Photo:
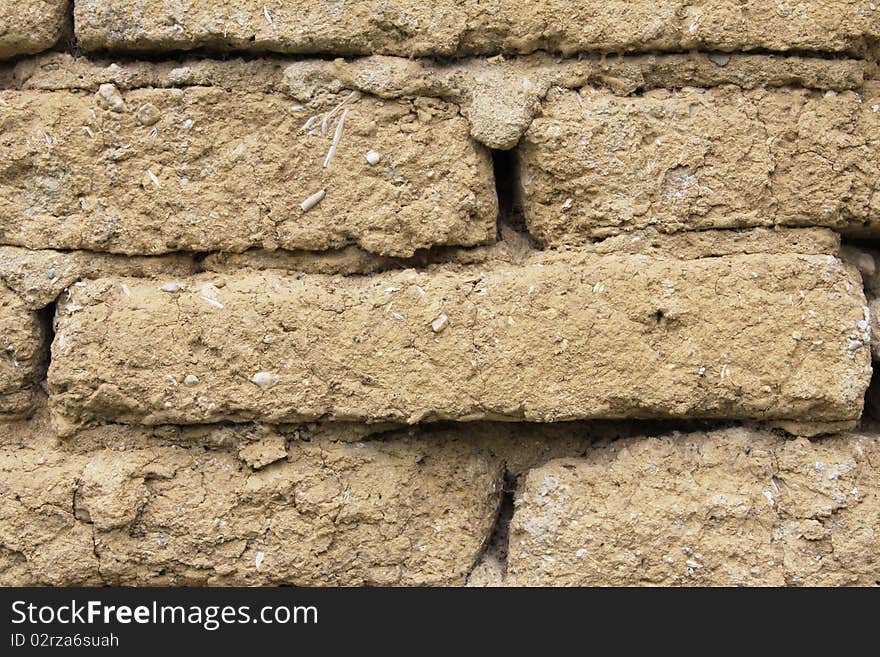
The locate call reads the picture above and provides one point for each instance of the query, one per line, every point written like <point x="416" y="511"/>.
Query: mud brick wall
<point x="439" y="293"/>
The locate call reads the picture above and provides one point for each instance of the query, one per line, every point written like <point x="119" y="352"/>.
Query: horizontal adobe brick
<point x="561" y="336"/>
<point x="152" y="171"/>
<point x="498" y="96"/>
<point x="595" y="164"/>
<point x="455" y="27"/>
<point x="736" y="507"/>
<point x="397" y="511"/>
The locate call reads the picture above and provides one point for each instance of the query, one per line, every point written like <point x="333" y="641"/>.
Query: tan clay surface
<point x="589" y="336"/>
<point x="200" y="169"/>
<point x="498" y="96"/>
<point x="450" y="27"/>
<point x="23" y="352"/>
<point x="398" y="512"/>
<point x="448" y="293"/>
<point x="30" y="26"/>
<point x="41" y="277"/>
<point x="727" y="508"/>
<point x="596" y="164"/>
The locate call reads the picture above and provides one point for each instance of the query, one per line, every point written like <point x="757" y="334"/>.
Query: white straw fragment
<point x="337" y="136"/>
<point x="308" y="125"/>
<point x="313" y="200"/>
<point x="325" y="124"/>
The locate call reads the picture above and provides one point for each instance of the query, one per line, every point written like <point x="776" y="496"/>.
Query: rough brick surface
<point x="40" y="277"/>
<point x="30" y="26"/>
<point x="499" y="97"/>
<point x="23" y="348"/>
<point x="732" y="507"/>
<point x="596" y="164"/>
<point x="201" y="169"/>
<point x="394" y="512"/>
<point x="454" y="79"/>
<point x="588" y="336"/>
<point x="515" y="248"/>
<point x="268" y="318"/>
<point x="451" y="27"/>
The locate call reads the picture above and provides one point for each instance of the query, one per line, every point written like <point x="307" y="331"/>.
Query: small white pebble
<point x="373" y="158"/>
<point x="259" y="559"/>
<point x="109" y="96"/>
<point x="264" y="380"/>
<point x="190" y="380"/>
<point x="440" y="323"/>
<point x="719" y="59"/>
<point x="179" y="74"/>
<point x="170" y="287"/>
